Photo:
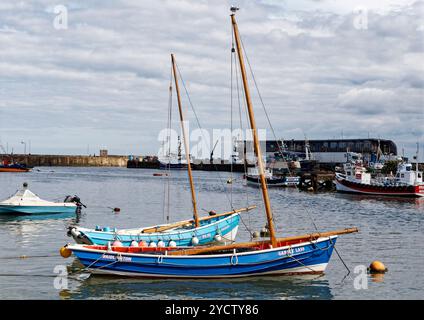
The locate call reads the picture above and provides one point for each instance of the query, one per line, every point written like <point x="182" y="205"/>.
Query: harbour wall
<point x="41" y="160"/>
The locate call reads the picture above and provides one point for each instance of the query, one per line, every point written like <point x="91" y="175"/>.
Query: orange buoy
<point x="377" y="267"/>
<point x="65" y="252"/>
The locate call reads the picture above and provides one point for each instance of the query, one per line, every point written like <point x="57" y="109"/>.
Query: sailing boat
<point x="220" y="228"/>
<point x="292" y="255"/>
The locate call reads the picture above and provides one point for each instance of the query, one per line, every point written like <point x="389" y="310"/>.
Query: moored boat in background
<point x="356" y="179"/>
<point x="24" y="202"/>
<point x="13" y="167"/>
<point x="252" y="178"/>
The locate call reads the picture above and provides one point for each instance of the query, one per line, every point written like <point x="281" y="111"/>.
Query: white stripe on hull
<point x="312" y="269"/>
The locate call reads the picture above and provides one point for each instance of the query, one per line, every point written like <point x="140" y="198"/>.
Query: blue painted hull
<point x="226" y="226"/>
<point x="33" y="210"/>
<point x="305" y="258"/>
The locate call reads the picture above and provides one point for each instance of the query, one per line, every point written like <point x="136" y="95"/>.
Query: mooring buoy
<point x="377" y="267"/>
<point x="65" y="252"/>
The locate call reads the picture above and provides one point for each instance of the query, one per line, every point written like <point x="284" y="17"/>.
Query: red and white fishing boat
<point x="406" y="183"/>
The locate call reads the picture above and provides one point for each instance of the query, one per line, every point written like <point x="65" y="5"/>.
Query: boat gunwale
<point x="85" y="248"/>
<point x="121" y="232"/>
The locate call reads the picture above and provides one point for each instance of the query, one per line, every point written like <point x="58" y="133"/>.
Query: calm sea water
<point x="391" y="230"/>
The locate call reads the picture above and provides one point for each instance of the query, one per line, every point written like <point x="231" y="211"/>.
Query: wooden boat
<point x="276" y="256"/>
<point x="355" y="179"/>
<point x="198" y="231"/>
<point x="215" y="228"/>
<point x="24" y="202"/>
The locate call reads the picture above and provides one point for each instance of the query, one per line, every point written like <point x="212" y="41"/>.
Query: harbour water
<point x="391" y="230"/>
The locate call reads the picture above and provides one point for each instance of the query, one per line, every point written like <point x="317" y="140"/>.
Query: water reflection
<point x="418" y="202"/>
<point x="276" y="288"/>
<point x="48" y="216"/>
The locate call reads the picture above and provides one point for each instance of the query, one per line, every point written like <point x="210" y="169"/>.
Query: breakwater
<point x="42" y="160"/>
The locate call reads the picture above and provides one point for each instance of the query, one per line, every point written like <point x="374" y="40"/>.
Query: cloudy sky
<point x="324" y="68"/>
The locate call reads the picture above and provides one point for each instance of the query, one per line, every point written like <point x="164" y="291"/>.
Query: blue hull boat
<point x="309" y="257"/>
<point x="214" y="229"/>
<point x="24" y="202"/>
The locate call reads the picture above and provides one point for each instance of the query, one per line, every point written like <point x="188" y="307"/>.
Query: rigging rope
<point x="201" y="130"/>
<point x="279" y="146"/>
<point x="234" y="59"/>
<point x="166" y="186"/>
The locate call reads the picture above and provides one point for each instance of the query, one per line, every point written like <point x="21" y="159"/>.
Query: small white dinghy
<point x="24" y="202"/>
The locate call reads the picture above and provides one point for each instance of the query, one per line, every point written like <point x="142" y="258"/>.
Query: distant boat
<point x="24" y="202"/>
<point x="9" y="165"/>
<point x="406" y="183"/>
<point x="252" y="178"/>
<point x="13" y="167"/>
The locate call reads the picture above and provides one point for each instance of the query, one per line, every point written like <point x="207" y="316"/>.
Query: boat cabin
<point x="355" y="172"/>
<point x="406" y="175"/>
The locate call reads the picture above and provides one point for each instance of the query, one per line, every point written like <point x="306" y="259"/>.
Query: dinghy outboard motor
<point x="75" y="199"/>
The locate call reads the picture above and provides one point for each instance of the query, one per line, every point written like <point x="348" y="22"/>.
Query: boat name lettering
<point x="291" y="251"/>
<point x="118" y="258"/>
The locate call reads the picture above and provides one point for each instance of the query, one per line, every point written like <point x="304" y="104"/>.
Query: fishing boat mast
<point x="186" y="146"/>
<point x="257" y="148"/>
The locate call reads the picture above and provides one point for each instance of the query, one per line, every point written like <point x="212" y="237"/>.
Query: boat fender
<point x="264" y="232"/>
<point x="218" y="237"/>
<point x="172" y="244"/>
<point x="117" y="243"/>
<point x="65" y="252"/>
<point x="195" y="241"/>
<point x="142" y="243"/>
<point x="152" y="244"/>
<point x="212" y="213"/>
<point x="134" y="243"/>
<point x="255" y="234"/>
<point x="161" y="244"/>
<point x="109" y="246"/>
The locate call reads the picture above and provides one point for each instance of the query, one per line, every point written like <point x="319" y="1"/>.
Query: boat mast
<point x="416" y="163"/>
<point x="186" y="146"/>
<point x="257" y="148"/>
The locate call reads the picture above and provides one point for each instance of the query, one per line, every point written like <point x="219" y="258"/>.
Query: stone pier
<point x="42" y="160"/>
